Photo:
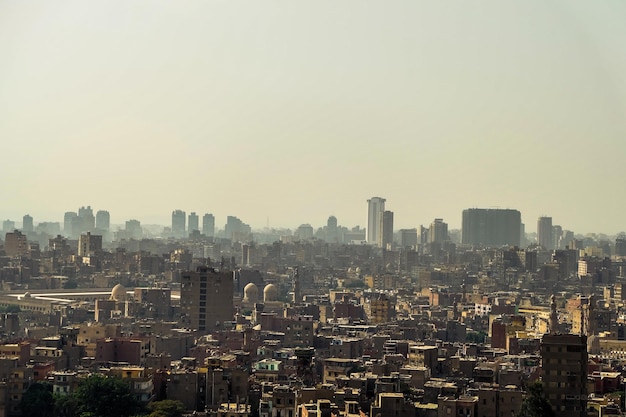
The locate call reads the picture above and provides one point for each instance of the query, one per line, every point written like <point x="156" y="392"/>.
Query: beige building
<point x="233" y="410"/>
<point x="380" y="309"/>
<point x="336" y="367"/>
<point x="393" y="404"/>
<point x="15" y="244"/>
<point x="462" y="406"/>
<point x="89" y="244"/>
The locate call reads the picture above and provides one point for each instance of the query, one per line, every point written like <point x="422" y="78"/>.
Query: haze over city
<point x="355" y="208"/>
<point x="294" y="111"/>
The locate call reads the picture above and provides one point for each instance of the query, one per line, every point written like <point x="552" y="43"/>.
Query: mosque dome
<point x="251" y="293"/>
<point x="118" y="293"/>
<point x="270" y="293"/>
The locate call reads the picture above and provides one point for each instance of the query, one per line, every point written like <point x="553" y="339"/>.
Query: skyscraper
<point x="332" y="232"/>
<point x="27" y="223"/>
<point x="8" y="225"/>
<point x="133" y="229"/>
<point x="192" y="223"/>
<point x="68" y="222"/>
<point x="544" y="233"/>
<point x="103" y="220"/>
<point x="408" y="238"/>
<point x="236" y="230"/>
<point x="88" y="220"/>
<point x="491" y="227"/>
<point x="206" y="298"/>
<point x="375" y="210"/>
<point x="620" y="246"/>
<point x="178" y="223"/>
<point x="208" y="225"/>
<point x="438" y="231"/>
<point x="557" y="237"/>
<point x="386" y="235"/>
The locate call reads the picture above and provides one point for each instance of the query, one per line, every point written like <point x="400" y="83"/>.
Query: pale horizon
<point x="297" y="111"/>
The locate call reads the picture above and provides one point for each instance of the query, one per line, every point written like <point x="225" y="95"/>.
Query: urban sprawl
<point x="494" y="319"/>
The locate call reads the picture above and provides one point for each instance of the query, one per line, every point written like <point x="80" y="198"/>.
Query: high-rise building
<point x="620" y="246"/>
<point x="16" y="244"/>
<point x="133" y="229"/>
<point x="208" y="225"/>
<point x="491" y="227"/>
<point x="375" y="210"/>
<point x="89" y="244"/>
<point x="27" y="223"/>
<point x="179" y="223"/>
<point x="76" y="227"/>
<point x="236" y="230"/>
<point x="557" y="237"/>
<point x="304" y="232"/>
<point x="88" y="220"/>
<point x="564" y="362"/>
<point x="545" y="237"/>
<point x="408" y="238"/>
<point x="438" y="231"/>
<point x="386" y="227"/>
<point x="8" y="226"/>
<point x="332" y="231"/>
<point x="193" y="222"/>
<point x="206" y="298"/>
<point x="68" y="222"/>
<point x="103" y="220"/>
<point x="49" y="228"/>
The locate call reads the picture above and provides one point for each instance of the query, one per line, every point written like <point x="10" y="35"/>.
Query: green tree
<point x="476" y="337"/>
<point x="65" y="406"/>
<point x="38" y="401"/>
<point x="535" y="404"/>
<point x="166" y="408"/>
<point x="102" y="396"/>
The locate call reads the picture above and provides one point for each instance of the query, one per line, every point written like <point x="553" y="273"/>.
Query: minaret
<point x="554" y="317"/>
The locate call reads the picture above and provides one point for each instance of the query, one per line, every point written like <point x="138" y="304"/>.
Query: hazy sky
<point x="297" y="110"/>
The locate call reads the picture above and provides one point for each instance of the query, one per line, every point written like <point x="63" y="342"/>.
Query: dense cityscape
<point x="498" y="318"/>
<point x="312" y="208"/>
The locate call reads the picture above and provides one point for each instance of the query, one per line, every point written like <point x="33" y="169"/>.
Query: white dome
<point x="118" y="293"/>
<point x="270" y="293"/>
<point x="251" y="293"/>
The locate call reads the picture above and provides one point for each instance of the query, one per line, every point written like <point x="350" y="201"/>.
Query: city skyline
<point x="295" y="112"/>
<point x="531" y="227"/>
